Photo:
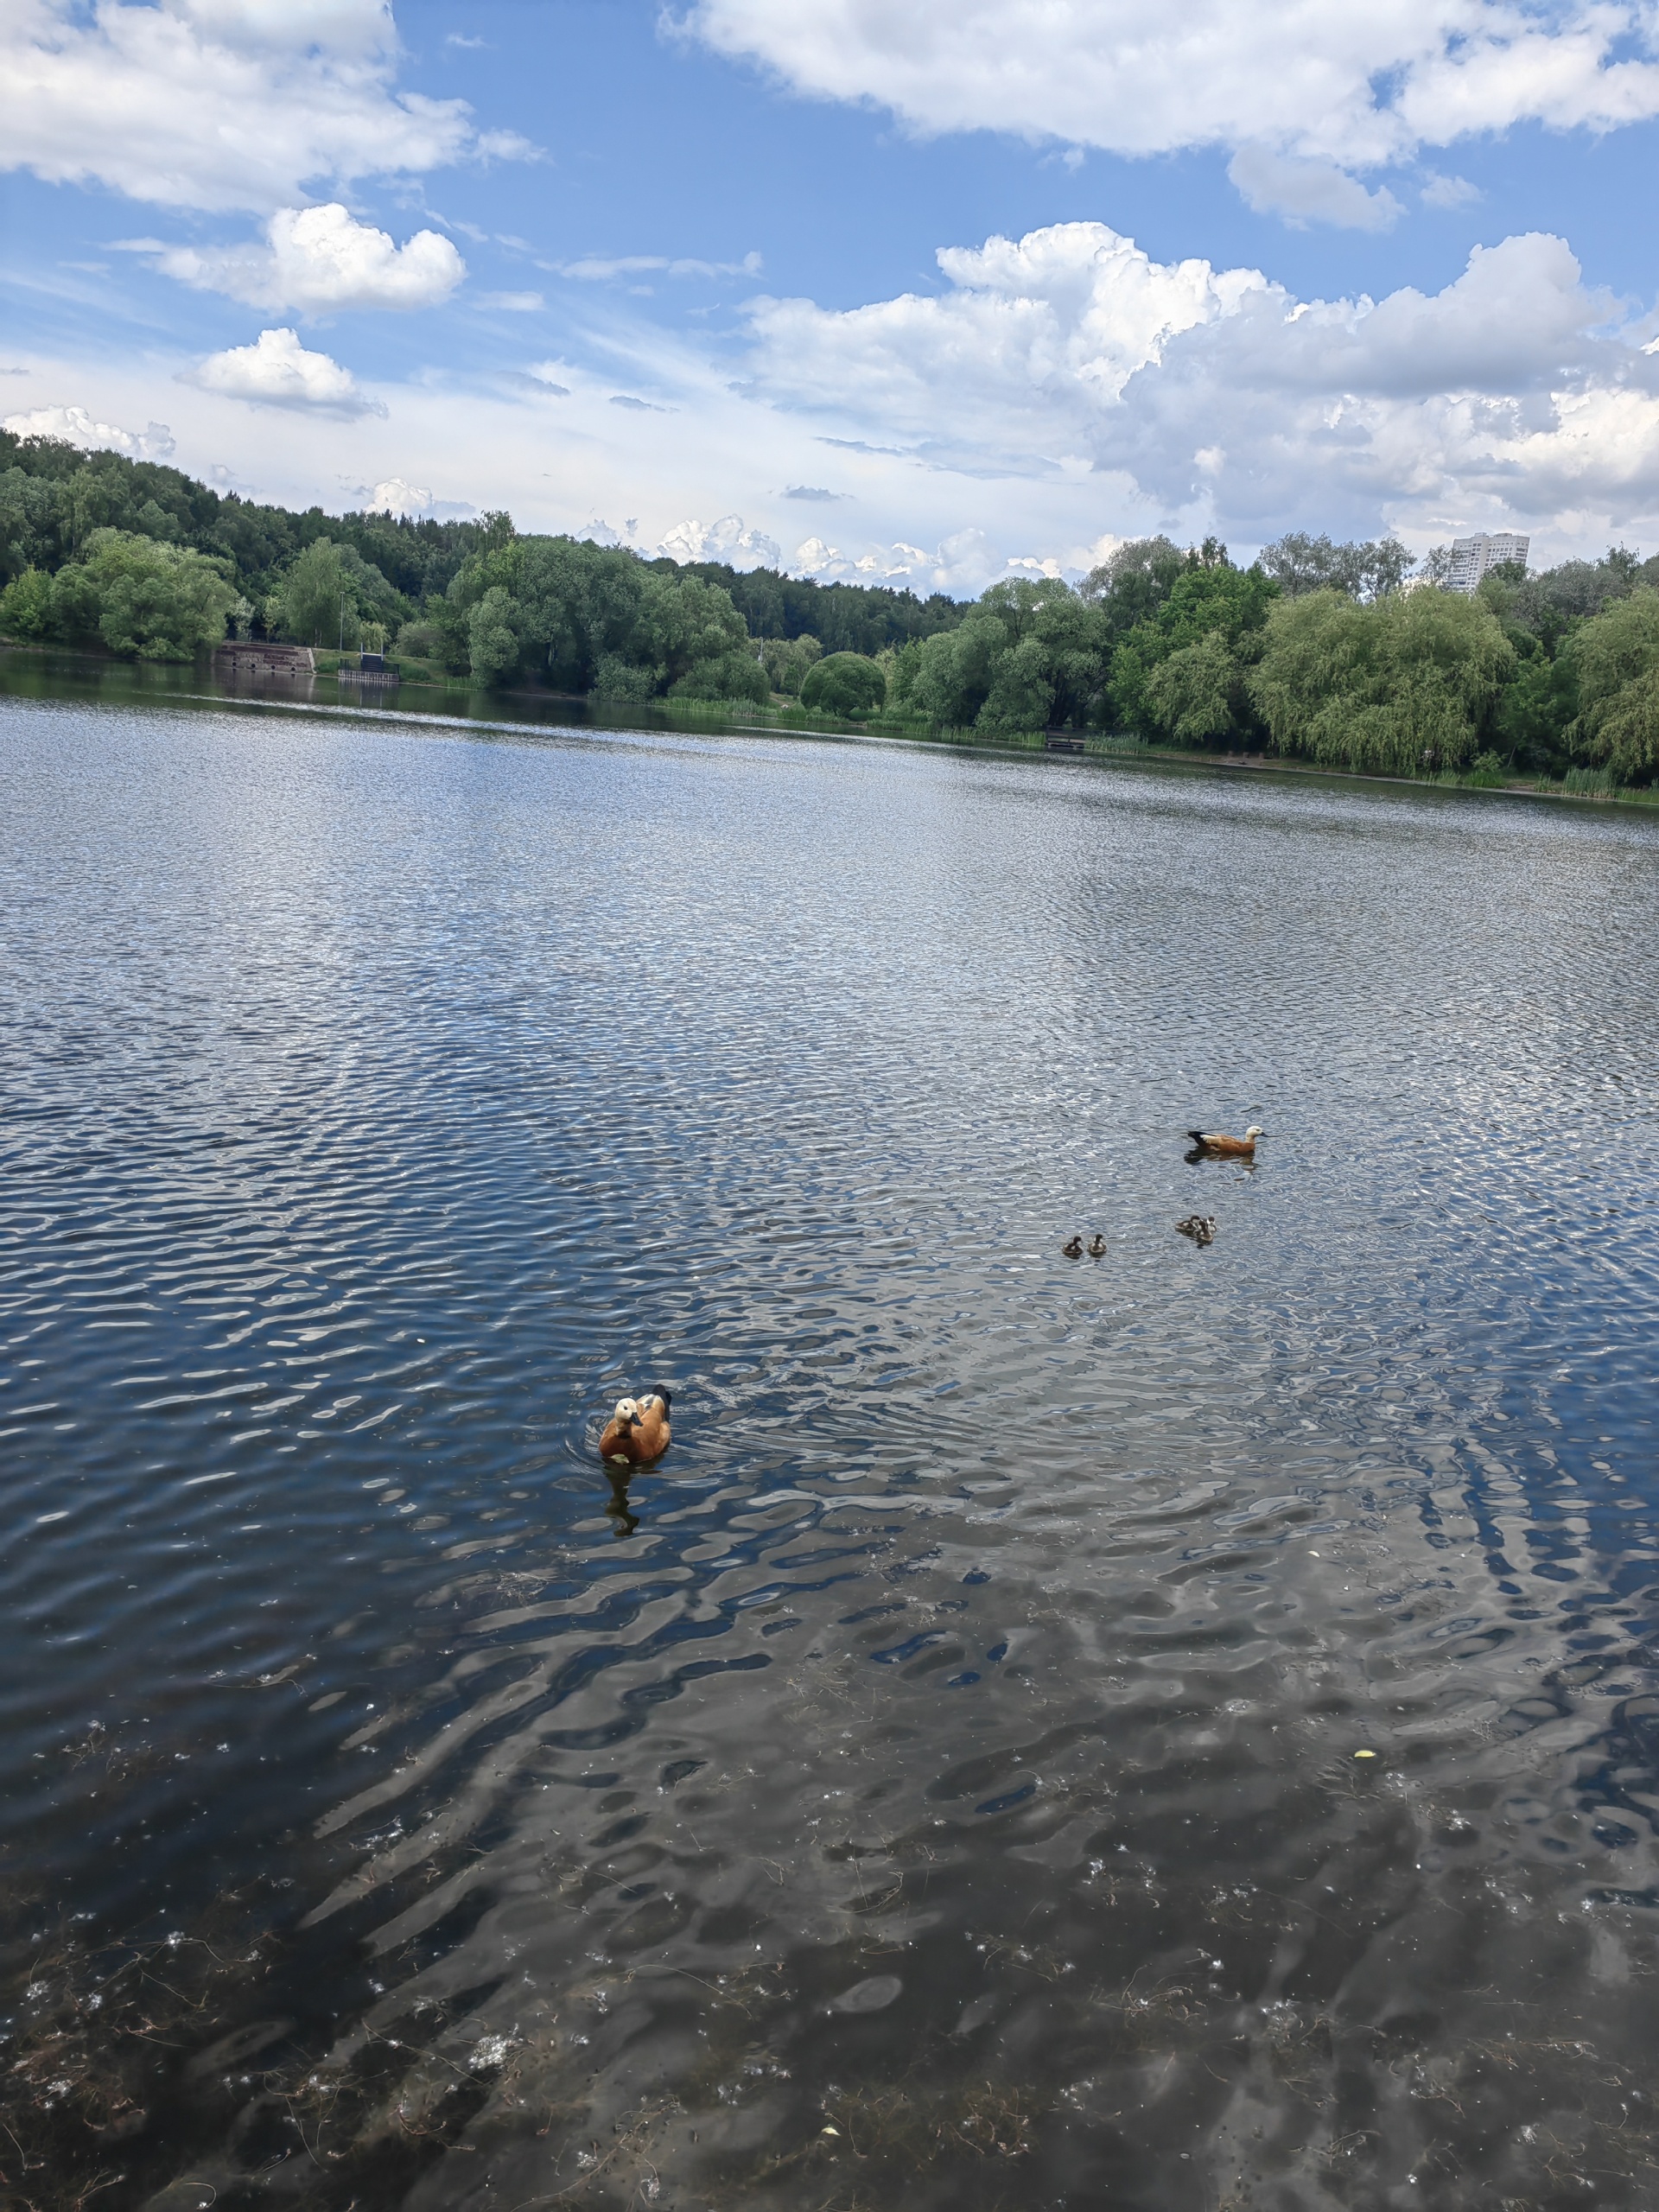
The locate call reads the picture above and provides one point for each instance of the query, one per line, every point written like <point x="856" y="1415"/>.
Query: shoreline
<point x="683" y="717"/>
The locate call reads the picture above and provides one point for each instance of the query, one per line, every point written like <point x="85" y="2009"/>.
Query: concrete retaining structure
<point x="259" y="657"/>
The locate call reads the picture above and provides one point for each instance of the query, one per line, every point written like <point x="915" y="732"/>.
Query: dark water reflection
<point x="330" y="695"/>
<point x="939" y="1784"/>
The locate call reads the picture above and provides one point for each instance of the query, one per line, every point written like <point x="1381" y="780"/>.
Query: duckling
<point x="637" y="1431"/>
<point x="1200" y="1227"/>
<point x="1226" y="1147"/>
<point x="1072" y="1248"/>
<point x="1096" y="1246"/>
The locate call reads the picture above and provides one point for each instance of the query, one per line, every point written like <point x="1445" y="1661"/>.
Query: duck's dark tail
<point x="658" y="1391"/>
<point x="1196" y="1135"/>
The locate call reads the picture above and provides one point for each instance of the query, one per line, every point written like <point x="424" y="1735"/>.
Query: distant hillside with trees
<point x="1339" y="654"/>
<point x="194" y="563"/>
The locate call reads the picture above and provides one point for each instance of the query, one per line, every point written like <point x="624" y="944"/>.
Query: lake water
<point x="1176" y="1731"/>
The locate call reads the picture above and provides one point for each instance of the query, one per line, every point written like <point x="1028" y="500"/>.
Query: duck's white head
<point x="627" y="1409"/>
<point x="1251" y="1134"/>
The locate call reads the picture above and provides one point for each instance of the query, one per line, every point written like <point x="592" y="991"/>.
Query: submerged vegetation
<point x="1335" y="654"/>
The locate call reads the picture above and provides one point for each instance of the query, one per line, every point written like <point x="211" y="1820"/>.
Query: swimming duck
<point x="1200" y="1227"/>
<point x="637" y="1431"/>
<point x="1225" y="1147"/>
<point x="1096" y="1246"/>
<point x="1072" y="1248"/>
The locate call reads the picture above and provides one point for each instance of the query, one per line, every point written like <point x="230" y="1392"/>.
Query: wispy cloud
<point x="858" y="445"/>
<point x="1449" y="191"/>
<point x="596" y="270"/>
<point x="1305" y="192"/>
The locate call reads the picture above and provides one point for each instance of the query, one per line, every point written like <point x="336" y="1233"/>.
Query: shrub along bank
<point x="1317" y="650"/>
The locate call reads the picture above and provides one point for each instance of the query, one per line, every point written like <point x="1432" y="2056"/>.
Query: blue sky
<point x="673" y="278"/>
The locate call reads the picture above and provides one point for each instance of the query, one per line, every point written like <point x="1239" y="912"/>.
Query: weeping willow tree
<point x="1615" y="657"/>
<point x="1195" y="695"/>
<point x="1403" y="686"/>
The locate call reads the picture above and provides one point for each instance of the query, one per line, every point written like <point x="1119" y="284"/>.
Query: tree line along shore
<point x="1337" y="655"/>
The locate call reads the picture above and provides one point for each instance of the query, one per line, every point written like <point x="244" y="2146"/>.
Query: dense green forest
<point x="1336" y="654"/>
<point x="1317" y="650"/>
<point x="95" y="549"/>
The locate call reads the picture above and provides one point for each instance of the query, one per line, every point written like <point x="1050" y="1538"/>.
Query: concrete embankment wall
<point x="264" y="658"/>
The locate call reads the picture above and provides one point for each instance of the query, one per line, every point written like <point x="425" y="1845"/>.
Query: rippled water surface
<point x="1180" y="1731"/>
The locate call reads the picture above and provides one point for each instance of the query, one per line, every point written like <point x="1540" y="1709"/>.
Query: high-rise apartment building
<point x="1472" y="556"/>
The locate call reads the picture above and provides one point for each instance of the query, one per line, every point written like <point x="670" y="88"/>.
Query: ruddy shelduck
<point x="638" y="1431"/>
<point x="1225" y="1147"/>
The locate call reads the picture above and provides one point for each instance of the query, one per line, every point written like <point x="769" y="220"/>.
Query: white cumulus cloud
<point x="217" y="104"/>
<point x="394" y="497"/>
<point x="726" y="540"/>
<point x="1324" y="80"/>
<point x="1070" y="357"/>
<point x="319" y="260"/>
<point x="1034" y="337"/>
<point x="1054" y="394"/>
<point x="962" y="563"/>
<point x="277" y="371"/>
<point x="78" y="427"/>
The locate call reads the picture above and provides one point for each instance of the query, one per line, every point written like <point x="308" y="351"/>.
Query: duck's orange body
<point x="638" y="1431"/>
<point x="1225" y="1147"/>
